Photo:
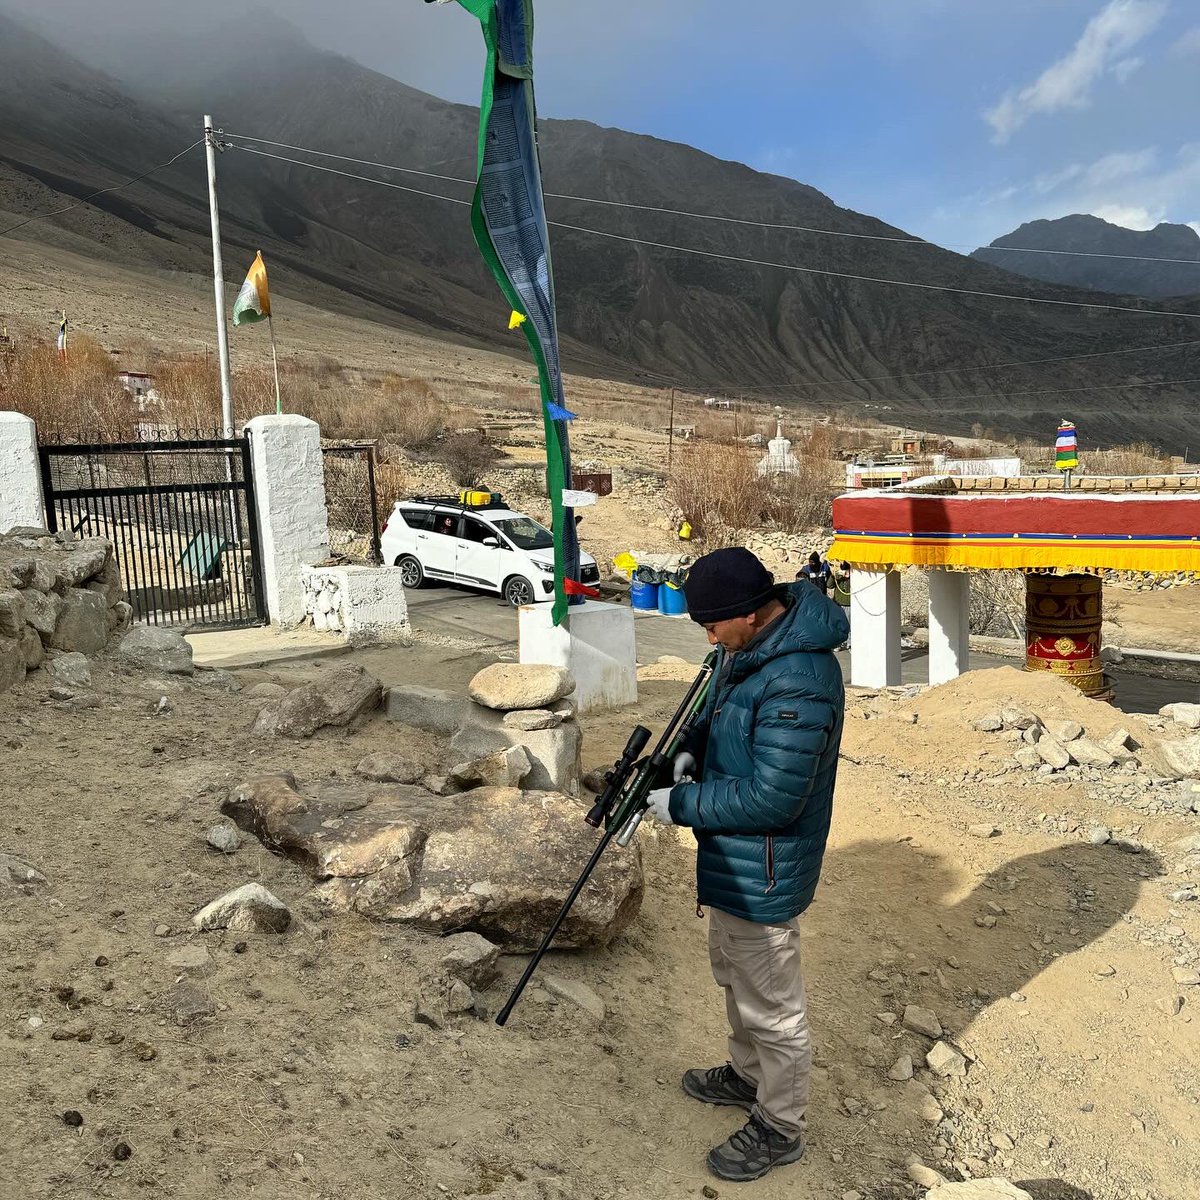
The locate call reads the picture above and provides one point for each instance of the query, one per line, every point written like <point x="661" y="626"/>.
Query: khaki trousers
<point x="769" y="1043"/>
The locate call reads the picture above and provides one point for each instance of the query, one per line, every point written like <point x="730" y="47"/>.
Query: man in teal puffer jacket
<point x="757" y="790"/>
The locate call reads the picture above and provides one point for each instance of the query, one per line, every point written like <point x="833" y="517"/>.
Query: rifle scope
<point x="616" y="776"/>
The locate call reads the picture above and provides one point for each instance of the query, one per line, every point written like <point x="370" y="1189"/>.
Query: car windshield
<point x="525" y="533"/>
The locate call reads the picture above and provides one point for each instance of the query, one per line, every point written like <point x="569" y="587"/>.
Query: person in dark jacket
<point x="756" y="787"/>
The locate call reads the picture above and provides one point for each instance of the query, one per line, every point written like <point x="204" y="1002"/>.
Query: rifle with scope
<point x="622" y="805"/>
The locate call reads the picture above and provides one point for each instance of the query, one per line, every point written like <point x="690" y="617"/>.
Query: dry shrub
<point x="1137" y="459"/>
<point x="78" y="397"/>
<point x="998" y="603"/>
<point x="468" y="457"/>
<point x="391" y="484"/>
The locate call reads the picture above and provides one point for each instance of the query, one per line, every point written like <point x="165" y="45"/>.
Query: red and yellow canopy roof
<point x="1159" y="533"/>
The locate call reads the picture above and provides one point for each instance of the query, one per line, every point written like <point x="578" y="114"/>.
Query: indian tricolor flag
<point x="253" y="302"/>
<point x="1066" y="453"/>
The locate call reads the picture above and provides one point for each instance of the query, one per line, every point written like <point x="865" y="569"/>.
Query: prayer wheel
<point x="1062" y="630"/>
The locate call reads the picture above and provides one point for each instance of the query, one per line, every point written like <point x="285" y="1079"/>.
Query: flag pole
<point x="275" y="364"/>
<point x="210" y="156"/>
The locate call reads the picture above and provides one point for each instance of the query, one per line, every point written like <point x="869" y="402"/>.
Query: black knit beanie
<point x="725" y="584"/>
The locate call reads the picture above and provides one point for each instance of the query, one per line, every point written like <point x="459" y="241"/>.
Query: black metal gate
<point x="182" y="520"/>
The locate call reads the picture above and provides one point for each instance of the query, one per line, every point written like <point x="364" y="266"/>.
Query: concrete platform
<point x="261" y="646"/>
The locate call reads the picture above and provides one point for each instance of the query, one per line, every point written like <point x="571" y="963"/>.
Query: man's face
<point x="734" y="633"/>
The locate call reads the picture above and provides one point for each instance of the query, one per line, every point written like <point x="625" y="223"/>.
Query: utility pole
<point x="210" y="155"/>
<point x="671" y="433"/>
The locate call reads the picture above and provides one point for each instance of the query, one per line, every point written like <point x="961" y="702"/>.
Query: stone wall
<point x="366" y="605"/>
<point x="57" y="596"/>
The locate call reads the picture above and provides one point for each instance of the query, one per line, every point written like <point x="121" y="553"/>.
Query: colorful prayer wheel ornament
<point x="1063" y="614"/>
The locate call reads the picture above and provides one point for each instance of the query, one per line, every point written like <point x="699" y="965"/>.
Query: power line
<point x="680" y="212"/>
<point x="99" y="192"/>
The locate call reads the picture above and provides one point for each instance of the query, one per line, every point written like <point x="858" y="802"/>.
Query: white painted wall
<point x="20" y="476"/>
<point x="595" y="643"/>
<point x="949" y="624"/>
<point x="874" y="628"/>
<point x="289" y="488"/>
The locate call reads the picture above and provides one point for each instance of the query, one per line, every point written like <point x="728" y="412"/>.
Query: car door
<point x="477" y="564"/>
<point x="437" y="546"/>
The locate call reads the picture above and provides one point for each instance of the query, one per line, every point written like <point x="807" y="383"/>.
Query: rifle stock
<point x="622" y="804"/>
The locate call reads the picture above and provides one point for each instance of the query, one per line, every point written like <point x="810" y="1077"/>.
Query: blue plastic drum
<point x="671" y="601"/>
<point x="643" y="596"/>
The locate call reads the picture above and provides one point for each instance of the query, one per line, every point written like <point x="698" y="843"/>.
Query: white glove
<point x="683" y="766"/>
<point x="659" y="808"/>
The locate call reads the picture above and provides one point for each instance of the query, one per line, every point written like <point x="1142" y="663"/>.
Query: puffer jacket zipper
<point x="770" y="866"/>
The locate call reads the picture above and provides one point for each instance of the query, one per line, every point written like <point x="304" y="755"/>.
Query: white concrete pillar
<point x="949" y="624"/>
<point x="595" y="643"/>
<point x="20" y="475"/>
<point x="874" y="628"/>
<point x="289" y="491"/>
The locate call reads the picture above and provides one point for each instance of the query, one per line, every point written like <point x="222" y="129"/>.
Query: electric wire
<point x="100" y="192"/>
<point x="680" y="212"/>
<point x="756" y="262"/>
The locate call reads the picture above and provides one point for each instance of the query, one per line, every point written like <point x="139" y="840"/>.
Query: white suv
<point x="486" y="546"/>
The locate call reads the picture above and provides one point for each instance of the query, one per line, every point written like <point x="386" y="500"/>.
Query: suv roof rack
<point x="495" y="500"/>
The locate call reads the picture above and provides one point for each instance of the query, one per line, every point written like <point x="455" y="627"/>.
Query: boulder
<point x="83" y="560"/>
<point x="1177" y="758"/>
<point x="495" y="861"/>
<point x="18" y="573"/>
<point x="32" y="649"/>
<point x="1052" y="752"/>
<point x="1063" y="731"/>
<point x="1091" y="754"/>
<point x="12" y="663"/>
<point x="431" y="709"/>
<point x="1017" y="718"/>
<point x="530" y="719"/>
<point x="389" y="768"/>
<point x="471" y="958"/>
<point x="248" y="909"/>
<point x="42" y="611"/>
<point x="162" y="651"/>
<point x="507" y="686"/>
<point x="12" y="614"/>
<point x="336" y="697"/>
<point x="70" y="670"/>
<point x="1187" y="715"/>
<point x="505" y="768"/>
<point x="978" y="1189"/>
<point x="82" y="623"/>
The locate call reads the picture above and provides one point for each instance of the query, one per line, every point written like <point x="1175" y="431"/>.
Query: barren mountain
<point x="1099" y="255"/>
<point x="627" y="309"/>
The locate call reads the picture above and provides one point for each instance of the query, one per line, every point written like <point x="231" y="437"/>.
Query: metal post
<point x="376" y="544"/>
<point x="671" y="433"/>
<point x="210" y="155"/>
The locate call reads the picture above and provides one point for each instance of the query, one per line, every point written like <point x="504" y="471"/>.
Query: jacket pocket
<point x="770" y="864"/>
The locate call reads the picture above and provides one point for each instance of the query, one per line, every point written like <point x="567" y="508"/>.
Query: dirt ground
<point x="311" y="1079"/>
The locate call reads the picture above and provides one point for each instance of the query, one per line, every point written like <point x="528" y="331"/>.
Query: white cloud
<point x="1126" y="67"/>
<point x="1131" y="217"/>
<point x="1188" y="44"/>
<point x="1067" y="83"/>
<point x="1112" y="167"/>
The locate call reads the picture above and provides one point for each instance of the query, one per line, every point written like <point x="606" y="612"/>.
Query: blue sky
<point x="953" y="119"/>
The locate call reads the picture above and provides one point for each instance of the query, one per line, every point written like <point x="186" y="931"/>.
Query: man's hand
<point x="659" y="802"/>
<point x="683" y="766"/>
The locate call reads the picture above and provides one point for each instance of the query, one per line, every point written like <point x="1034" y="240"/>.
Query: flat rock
<point x="945" y="1061"/>
<point x="191" y="960"/>
<point x="1187" y="715"/>
<point x="1091" y="754"/>
<point x="248" y="909"/>
<point x="1063" y="731"/>
<point x="979" y="1189"/>
<point x="508" y="686"/>
<point x="1185" y="976"/>
<point x="389" y="768"/>
<point x="992" y="723"/>
<point x="902" y="1069"/>
<point x="17" y="874"/>
<point x="1177" y="758"/>
<point x="921" y="1020"/>
<point x="577" y="993"/>
<point x="527" y="720"/>
<point x="505" y="768"/>
<point x="471" y="958"/>
<point x="496" y="861"/>
<point x="1017" y="718"/>
<point x="983" y="831"/>
<point x="70" y="670"/>
<point x="1052" y="753"/>
<point x="190" y="1004"/>
<point x="335" y="697"/>
<point x="150" y="648"/>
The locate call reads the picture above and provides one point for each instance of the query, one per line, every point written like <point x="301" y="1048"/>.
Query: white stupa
<point x="779" y="459"/>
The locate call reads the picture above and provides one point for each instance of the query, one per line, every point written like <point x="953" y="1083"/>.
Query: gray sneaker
<point x="719" y="1085"/>
<point x="753" y="1151"/>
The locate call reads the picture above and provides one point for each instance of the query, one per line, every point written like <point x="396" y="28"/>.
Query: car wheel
<point x="518" y="591"/>
<point x="411" y="573"/>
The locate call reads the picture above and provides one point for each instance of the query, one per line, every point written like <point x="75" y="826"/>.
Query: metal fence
<point x="181" y="517"/>
<point x="352" y="501"/>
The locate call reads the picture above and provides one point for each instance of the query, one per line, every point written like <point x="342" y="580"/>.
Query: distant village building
<point x="912" y="443"/>
<point x="880" y="475"/>
<point x="141" y="387"/>
<point x="1004" y="468"/>
<point x="779" y="459"/>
